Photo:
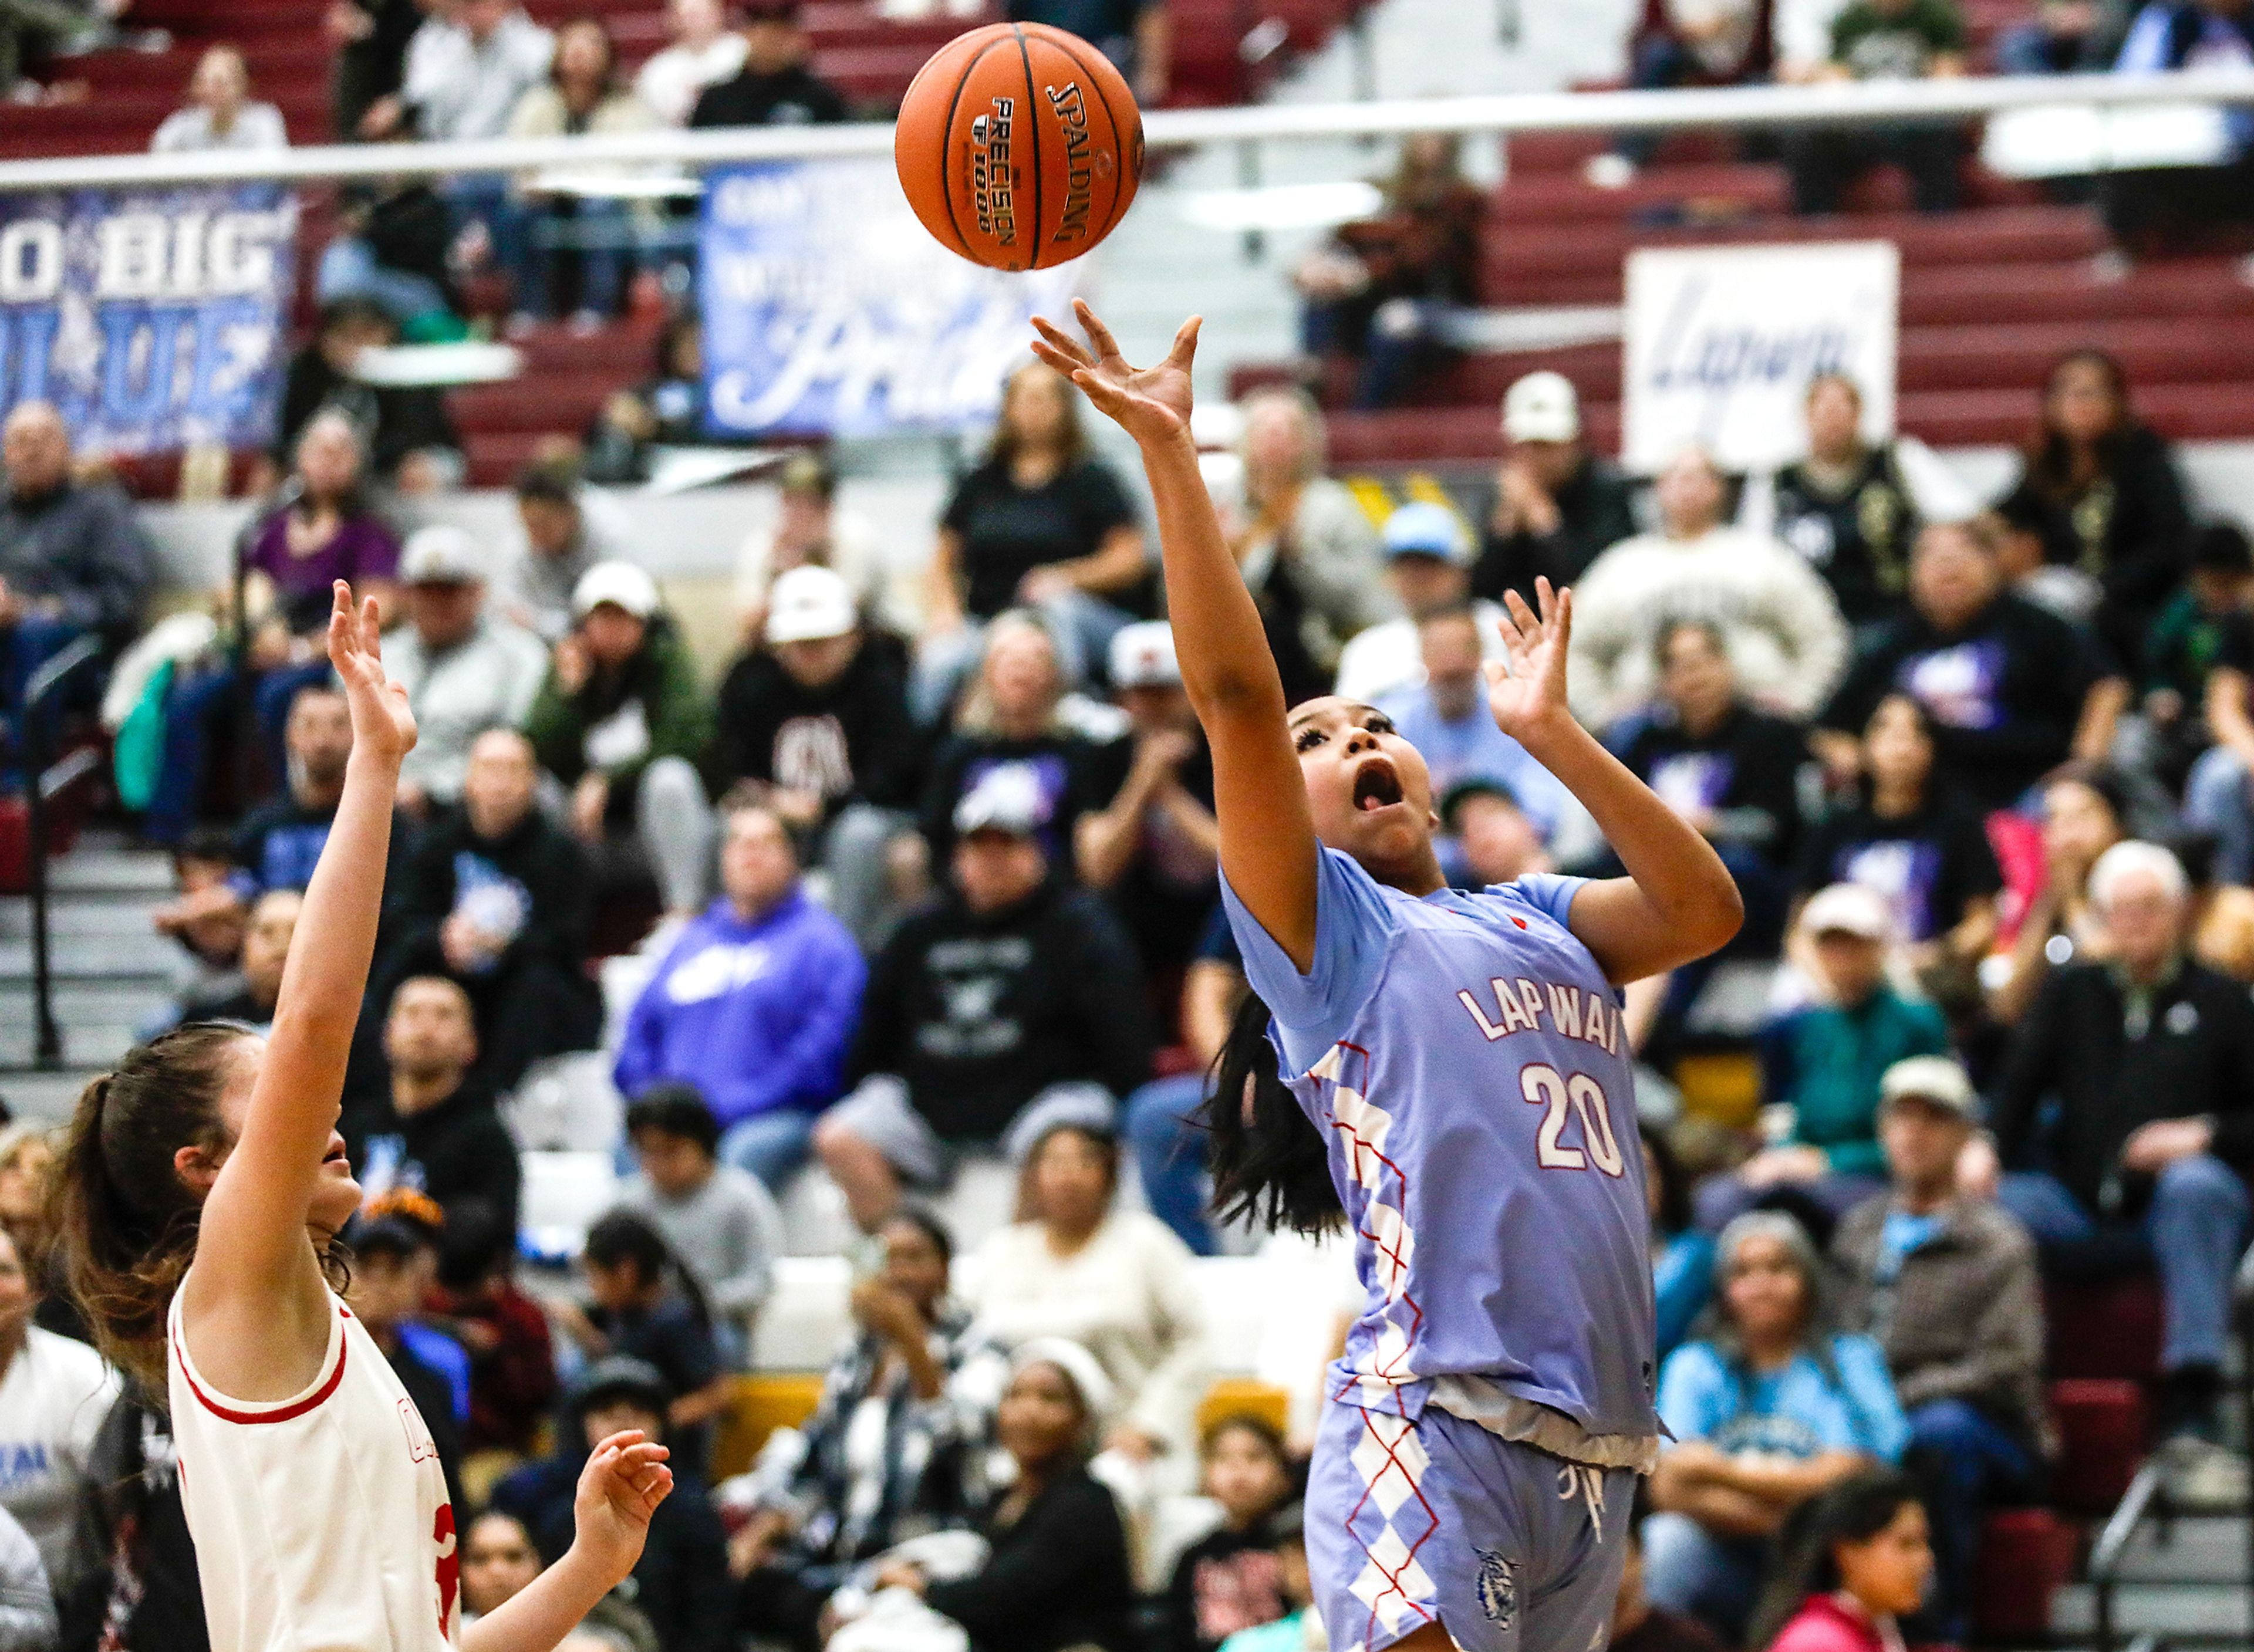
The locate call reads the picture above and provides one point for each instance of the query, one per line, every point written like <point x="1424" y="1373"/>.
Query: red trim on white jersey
<point x="279" y="1414"/>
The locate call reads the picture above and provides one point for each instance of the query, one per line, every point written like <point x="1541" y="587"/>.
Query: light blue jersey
<point x="1463" y="1054"/>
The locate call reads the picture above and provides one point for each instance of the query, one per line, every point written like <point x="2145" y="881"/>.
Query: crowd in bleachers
<point x="924" y="874"/>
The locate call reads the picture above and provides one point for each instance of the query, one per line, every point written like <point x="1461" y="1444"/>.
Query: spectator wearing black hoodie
<point x="436" y="1130"/>
<point x="500" y="901"/>
<point x="1013" y="1004"/>
<point x="146" y="1595"/>
<point x="679" y="1583"/>
<point x="2103" y="486"/>
<point x="817" y="724"/>
<point x="775" y="88"/>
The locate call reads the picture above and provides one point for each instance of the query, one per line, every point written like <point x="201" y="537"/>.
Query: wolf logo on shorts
<point x="1498" y="1589"/>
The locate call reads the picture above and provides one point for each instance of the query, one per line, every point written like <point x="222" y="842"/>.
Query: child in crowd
<point x="718" y="1221"/>
<point x="678" y="1582"/>
<point x="499" y="1558"/>
<point x="477" y="1303"/>
<point x="1227" y="1581"/>
<point x="393" y="1258"/>
<point x="1284" y="1532"/>
<point x="207" y="916"/>
<point x="643" y="1304"/>
<point x="250" y="993"/>
<point x="1852" y="1562"/>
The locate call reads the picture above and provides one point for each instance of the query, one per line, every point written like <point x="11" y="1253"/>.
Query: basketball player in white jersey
<point x="203" y="1192"/>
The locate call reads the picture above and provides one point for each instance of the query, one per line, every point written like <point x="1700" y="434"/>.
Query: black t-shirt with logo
<point x="1927" y="865"/>
<point x="1008" y="531"/>
<point x="2004" y="692"/>
<point x="1858" y="538"/>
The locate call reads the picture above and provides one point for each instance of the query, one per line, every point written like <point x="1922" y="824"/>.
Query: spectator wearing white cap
<point x="1155" y="847"/>
<point x="623" y="722"/>
<point x="1428" y="566"/>
<point x="1948" y="1286"/>
<point x="465" y="670"/>
<point x="1557" y="504"/>
<point x="1012" y="1005"/>
<point x="816" y="723"/>
<point x="1824" y="1064"/>
<point x="1783" y="629"/>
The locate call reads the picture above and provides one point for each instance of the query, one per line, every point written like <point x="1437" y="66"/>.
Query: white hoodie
<point x="1785" y="635"/>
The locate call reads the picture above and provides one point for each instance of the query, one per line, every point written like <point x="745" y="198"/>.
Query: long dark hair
<point x="126" y="1221"/>
<point x="1855" y="1510"/>
<point x="2051" y="473"/>
<point x="1270" y="1165"/>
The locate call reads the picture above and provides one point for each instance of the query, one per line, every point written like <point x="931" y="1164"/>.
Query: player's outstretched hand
<point x="620" y="1489"/>
<point x="382" y="722"/>
<point x="1151" y="405"/>
<point x="1526" y="690"/>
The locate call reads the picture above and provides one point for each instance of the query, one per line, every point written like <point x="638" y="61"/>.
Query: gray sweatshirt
<point x="727" y="1233"/>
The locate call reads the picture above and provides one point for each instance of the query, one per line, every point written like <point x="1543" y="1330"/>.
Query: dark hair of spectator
<point x="752" y="797"/>
<point x="324" y="687"/>
<point x="548" y="482"/>
<point x="339" y="314"/>
<point x="1674" y="1186"/>
<point x="479" y="1242"/>
<point x="584" y="21"/>
<point x="1855" y="1510"/>
<point x="624" y="1239"/>
<point x="1681" y="623"/>
<point x="1106" y="1145"/>
<point x="2097" y="779"/>
<point x="1923" y="719"/>
<point x="1072" y="443"/>
<point x="676" y="1110"/>
<point x="2221" y="547"/>
<point x="1817" y="1318"/>
<point x="927" y="1224"/>
<point x="209" y="843"/>
<point x="2055" y="470"/>
<point x="394" y="1237"/>
<point x="126" y="1221"/>
<point x="1270" y="1164"/>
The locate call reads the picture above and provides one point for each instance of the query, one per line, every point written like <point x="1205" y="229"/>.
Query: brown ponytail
<point x="125" y="1221"/>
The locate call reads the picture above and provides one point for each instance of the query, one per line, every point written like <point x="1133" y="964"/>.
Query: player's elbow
<point x="1714" y="917"/>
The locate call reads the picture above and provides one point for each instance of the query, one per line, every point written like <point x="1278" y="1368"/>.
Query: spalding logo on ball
<point x="1020" y="146"/>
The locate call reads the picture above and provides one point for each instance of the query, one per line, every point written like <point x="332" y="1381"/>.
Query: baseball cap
<point x="809" y="605"/>
<point x="1849" y="909"/>
<point x="808" y="473"/>
<point x="1938" y="1079"/>
<point x="621" y="1377"/>
<point x="1422" y="529"/>
<point x="619" y="583"/>
<point x="1541" y="407"/>
<point x="1142" y="657"/>
<point x="441" y="554"/>
<point x="1007" y="799"/>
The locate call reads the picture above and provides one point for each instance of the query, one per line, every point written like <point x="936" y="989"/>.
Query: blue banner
<point x="152" y="318"/>
<point x="829" y="310"/>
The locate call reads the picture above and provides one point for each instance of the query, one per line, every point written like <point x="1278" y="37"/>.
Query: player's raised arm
<point x="1267" y="835"/>
<point x="252" y="1244"/>
<point x="1678" y="902"/>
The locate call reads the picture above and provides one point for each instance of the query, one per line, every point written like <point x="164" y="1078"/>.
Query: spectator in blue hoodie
<point x="755" y="1004"/>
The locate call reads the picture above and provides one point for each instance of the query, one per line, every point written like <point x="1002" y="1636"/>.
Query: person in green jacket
<point x="623" y="722"/>
<point x="1824" y="1063"/>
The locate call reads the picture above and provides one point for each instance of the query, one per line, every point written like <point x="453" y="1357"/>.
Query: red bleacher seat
<point x="2027" y="1556"/>
<point x="2106" y="1330"/>
<point x="2103" y="1427"/>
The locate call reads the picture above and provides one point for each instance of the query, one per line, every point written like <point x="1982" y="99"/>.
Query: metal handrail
<point x="1839" y="103"/>
<point x="2148" y="1487"/>
<point x="38" y="689"/>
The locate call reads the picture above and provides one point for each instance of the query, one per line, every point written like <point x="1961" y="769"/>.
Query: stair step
<point x="127" y="960"/>
<point x="100" y="1043"/>
<point x="2216" y="1612"/>
<point x="2198" y="1549"/>
<point x="46" y="1098"/>
<point x="92" y="869"/>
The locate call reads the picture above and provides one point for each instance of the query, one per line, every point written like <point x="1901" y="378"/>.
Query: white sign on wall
<point x="1721" y="342"/>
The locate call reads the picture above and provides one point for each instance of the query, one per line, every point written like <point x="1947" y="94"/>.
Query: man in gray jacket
<point x="72" y="559"/>
<point x="1948" y="1287"/>
<point x="465" y="670"/>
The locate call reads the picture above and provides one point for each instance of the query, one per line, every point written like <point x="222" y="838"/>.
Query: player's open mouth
<point x="1375" y="786"/>
<point x="335" y="1157"/>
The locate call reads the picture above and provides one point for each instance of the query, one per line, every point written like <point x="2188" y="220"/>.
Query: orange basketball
<point x="1019" y="146"/>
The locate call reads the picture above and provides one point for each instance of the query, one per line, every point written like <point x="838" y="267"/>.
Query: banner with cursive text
<point x="828" y="310"/>
<point x="152" y="318"/>
<point x="1721" y="342"/>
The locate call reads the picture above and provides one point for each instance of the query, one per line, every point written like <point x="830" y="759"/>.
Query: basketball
<point x="1020" y="146"/>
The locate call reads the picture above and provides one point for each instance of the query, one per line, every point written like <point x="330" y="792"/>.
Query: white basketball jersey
<point x="321" y="1522"/>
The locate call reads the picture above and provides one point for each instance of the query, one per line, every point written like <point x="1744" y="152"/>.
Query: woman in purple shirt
<point x="1458" y="1061"/>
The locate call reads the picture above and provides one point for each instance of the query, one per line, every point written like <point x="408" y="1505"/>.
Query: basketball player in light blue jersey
<point x="1464" y="1091"/>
